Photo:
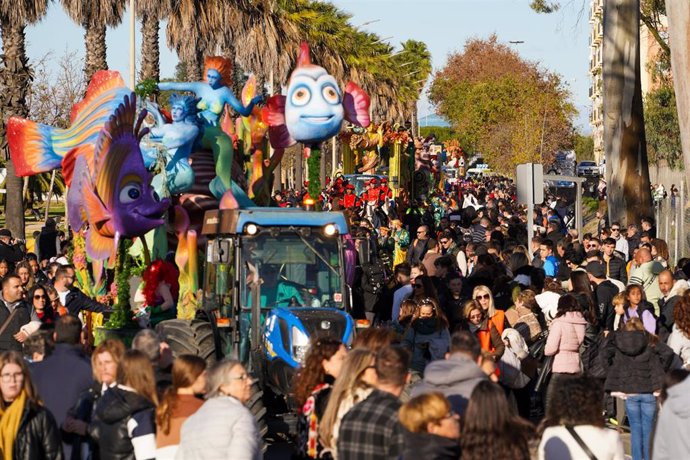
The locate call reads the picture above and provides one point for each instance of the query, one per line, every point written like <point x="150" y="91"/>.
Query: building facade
<point x="596" y="59"/>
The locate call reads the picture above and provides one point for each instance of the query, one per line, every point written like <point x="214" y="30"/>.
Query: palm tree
<point x="95" y="16"/>
<point x="15" y="79"/>
<point x="151" y="13"/>
<point x="192" y="25"/>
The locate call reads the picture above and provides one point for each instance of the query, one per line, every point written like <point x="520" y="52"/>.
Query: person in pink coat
<point x="566" y="334"/>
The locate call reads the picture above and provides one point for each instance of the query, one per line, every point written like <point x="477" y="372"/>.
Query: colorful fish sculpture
<point x="314" y="108"/>
<point x="114" y="196"/>
<point x="37" y="148"/>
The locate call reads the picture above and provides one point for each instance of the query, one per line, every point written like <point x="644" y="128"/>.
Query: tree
<point x="151" y="12"/>
<point x="507" y="108"/>
<point x="627" y="169"/>
<point x="583" y="146"/>
<point x="661" y="124"/>
<point x="15" y="80"/>
<point x="679" y="36"/>
<point x="94" y="16"/>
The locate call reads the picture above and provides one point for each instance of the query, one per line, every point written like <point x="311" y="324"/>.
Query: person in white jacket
<point x="222" y="427"/>
<point x="672" y="436"/>
<point x="574" y="428"/>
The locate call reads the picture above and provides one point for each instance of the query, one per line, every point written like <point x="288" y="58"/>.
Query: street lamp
<point x="367" y="23"/>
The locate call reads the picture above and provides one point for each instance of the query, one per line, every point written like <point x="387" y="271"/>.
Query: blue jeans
<point x="641" y="409"/>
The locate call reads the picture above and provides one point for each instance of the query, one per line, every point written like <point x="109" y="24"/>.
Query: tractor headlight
<point x="251" y="229"/>
<point x="330" y="229"/>
<point x="300" y="345"/>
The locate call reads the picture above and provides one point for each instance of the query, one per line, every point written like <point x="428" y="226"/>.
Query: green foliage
<point x="584" y="147"/>
<point x="146" y="88"/>
<point x="125" y="268"/>
<point x="544" y="6"/>
<point x="314" y="162"/>
<point x="508" y="109"/>
<point x="661" y="125"/>
<point x="589" y="205"/>
<point x="442" y="133"/>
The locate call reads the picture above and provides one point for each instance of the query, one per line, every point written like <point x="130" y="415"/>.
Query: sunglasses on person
<point x="482" y="296"/>
<point x="445" y="241"/>
<point x="39" y="296"/>
<point x="615" y="229"/>
<point x="593" y="246"/>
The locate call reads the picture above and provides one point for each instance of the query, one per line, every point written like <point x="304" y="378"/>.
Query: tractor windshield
<point x="291" y="268"/>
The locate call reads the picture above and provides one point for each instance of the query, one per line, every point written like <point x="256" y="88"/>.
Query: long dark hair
<point x="491" y="431"/>
<point x="567" y="303"/>
<point x="576" y="401"/>
<point x="186" y="369"/>
<point x="313" y="373"/>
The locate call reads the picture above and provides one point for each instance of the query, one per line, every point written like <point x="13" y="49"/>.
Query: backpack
<point x="589" y="356"/>
<point x="510" y="364"/>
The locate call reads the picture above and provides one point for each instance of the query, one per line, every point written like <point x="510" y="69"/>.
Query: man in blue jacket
<point x="63" y="376"/>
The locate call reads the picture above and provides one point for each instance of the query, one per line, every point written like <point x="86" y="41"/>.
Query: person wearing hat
<point x="10" y="251"/>
<point x="349" y="200"/>
<point x="604" y="291"/>
<point x="402" y="241"/>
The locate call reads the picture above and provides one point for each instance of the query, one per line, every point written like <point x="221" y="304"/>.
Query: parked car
<point x="587" y="168"/>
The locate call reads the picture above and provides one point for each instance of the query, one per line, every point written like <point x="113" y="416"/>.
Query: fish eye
<point x="155" y="196"/>
<point x="330" y="93"/>
<point x="130" y="193"/>
<point x="301" y="96"/>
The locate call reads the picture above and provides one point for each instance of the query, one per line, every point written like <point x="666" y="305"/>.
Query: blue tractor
<point x="273" y="279"/>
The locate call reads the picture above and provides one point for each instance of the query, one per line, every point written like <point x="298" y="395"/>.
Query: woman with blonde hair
<point x="105" y="360"/>
<point x="356" y="381"/>
<point x="432" y="429"/>
<point x="485" y="299"/>
<point x="178" y="403"/>
<point x="27" y="429"/>
<point x="125" y="415"/>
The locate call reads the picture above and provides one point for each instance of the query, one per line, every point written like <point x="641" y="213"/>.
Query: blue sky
<point x="559" y="42"/>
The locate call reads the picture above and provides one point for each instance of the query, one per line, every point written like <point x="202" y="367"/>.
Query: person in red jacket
<point x="349" y="200"/>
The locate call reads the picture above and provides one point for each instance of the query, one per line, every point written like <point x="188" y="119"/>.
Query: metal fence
<point x="672" y="215"/>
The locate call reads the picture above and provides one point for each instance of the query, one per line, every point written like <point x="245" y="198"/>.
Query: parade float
<point x="159" y="200"/>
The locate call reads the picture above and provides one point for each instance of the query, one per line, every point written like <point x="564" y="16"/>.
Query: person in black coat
<point x="64" y="375"/>
<point x="432" y="429"/>
<point x="10" y="251"/>
<point x="14" y="313"/>
<point x="37" y="436"/>
<point x="73" y="299"/>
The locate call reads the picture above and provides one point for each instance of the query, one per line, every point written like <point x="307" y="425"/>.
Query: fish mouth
<point x="317" y="119"/>
<point x="153" y="213"/>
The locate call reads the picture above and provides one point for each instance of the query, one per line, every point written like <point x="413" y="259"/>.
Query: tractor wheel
<point x="193" y="337"/>
<point x="257" y="408"/>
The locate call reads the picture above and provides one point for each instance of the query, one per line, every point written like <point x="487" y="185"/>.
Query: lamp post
<point x="132" y="44"/>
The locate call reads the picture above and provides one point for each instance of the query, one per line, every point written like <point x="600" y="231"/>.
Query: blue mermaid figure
<point x="178" y="140"/>
<point x="214" y="94"/>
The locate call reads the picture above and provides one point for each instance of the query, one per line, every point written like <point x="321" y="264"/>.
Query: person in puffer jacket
<point x="566" y="334"/>
<point x="124" y="424"/>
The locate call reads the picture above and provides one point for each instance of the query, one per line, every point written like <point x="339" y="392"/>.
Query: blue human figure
<point x="178" y="139"/>
<point x="214" y="95"/>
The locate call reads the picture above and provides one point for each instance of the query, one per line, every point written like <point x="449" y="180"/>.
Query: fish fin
<point x="97" y="214"/>
<point x="119" y="137"/>
<point x="31" y="147"/>
<point x="249" y="90"/>
<point x="304" y="58"/>
<point x="274" y="116"/>
<point x="228" y="201"/>
<point x="97" y="268"/>
<point x="227" y="124"/>
<point x="101" y="83"/>
<point x="75" y="195"/>
<point x="98" y="247"/>
<point x="356" y="103"/>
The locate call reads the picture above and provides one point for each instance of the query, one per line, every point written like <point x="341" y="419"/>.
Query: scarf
<point x="9" y="425"/>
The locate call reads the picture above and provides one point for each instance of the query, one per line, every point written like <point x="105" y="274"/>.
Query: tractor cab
<point x="274" y="280"/>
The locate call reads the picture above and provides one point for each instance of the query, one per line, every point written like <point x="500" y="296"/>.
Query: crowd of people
<point x="546" y="348"/>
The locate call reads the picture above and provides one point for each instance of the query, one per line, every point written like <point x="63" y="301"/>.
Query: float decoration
<point x="36" y="148"/>
<point x="215" y="96"/>
<point x="176" y="141"/>
<point x="186" y="261"/>
<point x="114" y="195"/>
<point x="313" y="110"/>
